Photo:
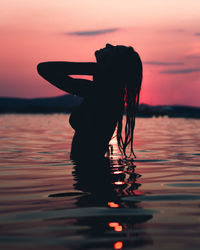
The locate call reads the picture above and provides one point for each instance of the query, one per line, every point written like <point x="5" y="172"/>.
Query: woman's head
<point x="124" y="66"/>
<point x="120" y="62"/>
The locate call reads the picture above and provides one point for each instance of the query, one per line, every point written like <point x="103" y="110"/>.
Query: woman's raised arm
<point x="58" y="74"/>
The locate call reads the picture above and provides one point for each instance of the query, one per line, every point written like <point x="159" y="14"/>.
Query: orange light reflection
<point x="118" y="245"/>
<point x="113" y="224"/>
<point x="113" y="204"/>
<point x="119" y="182"/>
<point x="118" y="172"/>
<point x="136" y="192"/>
<point x="118" y="228"/>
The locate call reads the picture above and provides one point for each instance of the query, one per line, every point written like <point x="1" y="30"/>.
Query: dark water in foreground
<point x="49" y="203"/>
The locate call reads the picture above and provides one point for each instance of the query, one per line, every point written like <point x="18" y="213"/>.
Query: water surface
<point x="48" y="202"/>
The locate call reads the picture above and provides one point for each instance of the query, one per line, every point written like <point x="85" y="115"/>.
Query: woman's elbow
<point x="42" y="68"/>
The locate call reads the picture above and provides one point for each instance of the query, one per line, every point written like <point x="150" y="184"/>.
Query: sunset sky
<point x="165" y="33"/>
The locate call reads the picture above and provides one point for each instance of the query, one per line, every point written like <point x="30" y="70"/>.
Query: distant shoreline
<point x="66" y="103"/>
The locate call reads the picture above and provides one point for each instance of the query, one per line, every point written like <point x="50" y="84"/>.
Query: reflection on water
<point x="50" y="202"/>
<point x="110" y="220"/>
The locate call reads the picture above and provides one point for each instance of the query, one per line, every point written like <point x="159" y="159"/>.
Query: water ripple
<point x="49" y="202"/>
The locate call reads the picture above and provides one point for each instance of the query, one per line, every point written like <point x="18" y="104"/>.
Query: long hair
<point x="121" y="70"/>
<point x="132" y="70"/>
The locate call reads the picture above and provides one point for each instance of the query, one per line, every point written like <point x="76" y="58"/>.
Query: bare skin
<point x="57" y="73"/>
<point x="95" y="120"/>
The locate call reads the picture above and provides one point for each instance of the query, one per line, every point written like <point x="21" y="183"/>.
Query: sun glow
<point x="73" y="30"/>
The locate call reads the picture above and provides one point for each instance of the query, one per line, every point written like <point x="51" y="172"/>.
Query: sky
<point x="166" y="34"/>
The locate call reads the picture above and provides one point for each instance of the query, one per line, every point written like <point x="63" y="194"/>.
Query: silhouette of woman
<point x="115" y="89"/>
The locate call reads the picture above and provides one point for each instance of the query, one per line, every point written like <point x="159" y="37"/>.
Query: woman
<point x="115" y="89"/>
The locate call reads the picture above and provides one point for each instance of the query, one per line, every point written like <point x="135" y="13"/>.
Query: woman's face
<point x="105" y="54"/>
<point x="111" y="54"/>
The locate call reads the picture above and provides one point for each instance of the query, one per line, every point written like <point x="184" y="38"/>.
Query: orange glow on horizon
<point x="72" y="31"/>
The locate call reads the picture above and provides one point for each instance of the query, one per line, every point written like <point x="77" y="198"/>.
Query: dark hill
<point x="66" y="103"/>
<point x="63" y="103"/>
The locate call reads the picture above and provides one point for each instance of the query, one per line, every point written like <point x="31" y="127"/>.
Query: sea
<point x="49" y="202"/>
